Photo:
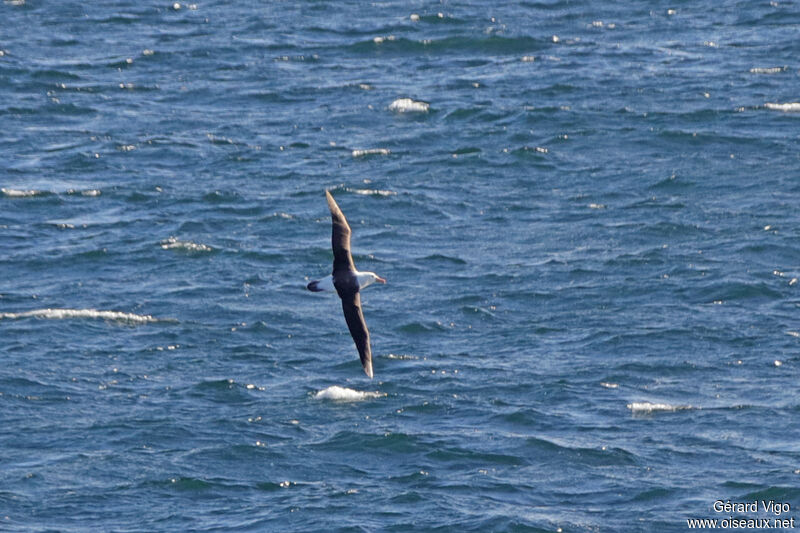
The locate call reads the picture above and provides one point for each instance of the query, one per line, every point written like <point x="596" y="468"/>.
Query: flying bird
<point x="348" y="282"/>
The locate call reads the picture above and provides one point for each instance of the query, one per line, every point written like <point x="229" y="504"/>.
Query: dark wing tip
<point x="340" y="237"/>
<point x="351" y="305"/>
<point x="336" y="212"/>
<point x="332" y="205"/>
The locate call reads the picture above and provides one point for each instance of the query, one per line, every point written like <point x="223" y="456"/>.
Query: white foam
<point x="87" y="192"/>
<point x="21" y="193"/>
<point x="647" y="407"/>
<point x="16" y="193"/>
<point x="61" y="314"/>
<point x="767" y="70"/>
<point x="371" y="151"/>
<point x="373" y="192"/>
<point x="401" y="356"/>
<point x="407" y="105"/>
<point x="341" y="394"/>
<point x="174" y="244"/>
<point x="790" y="107"/>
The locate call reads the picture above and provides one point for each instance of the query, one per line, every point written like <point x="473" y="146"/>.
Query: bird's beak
<point x="380" y="279"/>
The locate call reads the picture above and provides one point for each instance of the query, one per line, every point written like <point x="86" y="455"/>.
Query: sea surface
<point x="588" y="214"/>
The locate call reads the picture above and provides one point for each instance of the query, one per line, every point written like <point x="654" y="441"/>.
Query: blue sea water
<point x="587" y="213"/>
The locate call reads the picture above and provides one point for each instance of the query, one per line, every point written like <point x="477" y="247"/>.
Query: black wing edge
<point x="340" y="237"/>
<point x="358" y="329"/>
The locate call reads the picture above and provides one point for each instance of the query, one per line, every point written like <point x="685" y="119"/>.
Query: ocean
<point x="587" y="214"/>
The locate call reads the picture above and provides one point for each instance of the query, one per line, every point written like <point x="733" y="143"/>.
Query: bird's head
<point x="365" y="279"/>
<point x="374" y="277"/>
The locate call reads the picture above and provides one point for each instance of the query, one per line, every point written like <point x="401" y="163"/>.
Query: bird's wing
<point x="351" y="305"/>
<point x="340" y="237"/>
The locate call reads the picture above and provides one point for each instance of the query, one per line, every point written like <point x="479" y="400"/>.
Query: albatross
<point x="348" y="282"/>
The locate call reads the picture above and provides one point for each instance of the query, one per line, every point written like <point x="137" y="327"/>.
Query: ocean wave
<point x="790" y="107"/>
<point x="402" y="357"/>
<point x="767" y="70"/>
<point x="457" y="44"/>
<point x="648" y="407"/>
<point x="445" y="259"/>
<point x="372" y="192"/>
<point x="341" y="394"/>
<point x="407" y="105"/>
<point x="29" y="193"/>
<point x="371" y="151"/>
<point x="88" y="192"/>
<point x="733" y="291"/>
<point x="173" y="243"/>
<point x="422" y="327"/>
<point x="62" y="314"/>
<point x="18" y="193"/>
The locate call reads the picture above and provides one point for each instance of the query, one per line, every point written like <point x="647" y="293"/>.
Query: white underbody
<point x="326" y="284"/>
<point x="365" y="279"/>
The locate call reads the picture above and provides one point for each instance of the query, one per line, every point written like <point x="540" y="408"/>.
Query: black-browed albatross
<point x="347" y="281"/>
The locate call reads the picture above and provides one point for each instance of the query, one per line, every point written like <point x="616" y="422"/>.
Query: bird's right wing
<point x="351" y="305"/>
<point x="340" y="237"/>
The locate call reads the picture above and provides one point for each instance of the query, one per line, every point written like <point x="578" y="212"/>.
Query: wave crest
<point x="648" y="407"/>
<point x="371" y="151"/>
<point x="790" y="107"/>
<point x="173" y="243"/>
<point x="342" y="394"/>
<point x="407" y="105"/>
<point x="61" y="314"/>
<point x="17" y="193"/>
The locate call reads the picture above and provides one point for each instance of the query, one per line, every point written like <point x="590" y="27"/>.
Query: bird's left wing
<point x="340" y="237"/>
<point x="351" y="305"/>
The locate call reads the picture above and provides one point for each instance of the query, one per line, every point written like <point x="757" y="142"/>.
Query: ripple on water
<point x="422" y="327"/>
<point x="172" y="243"/>
<point x="224" y="391"/>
